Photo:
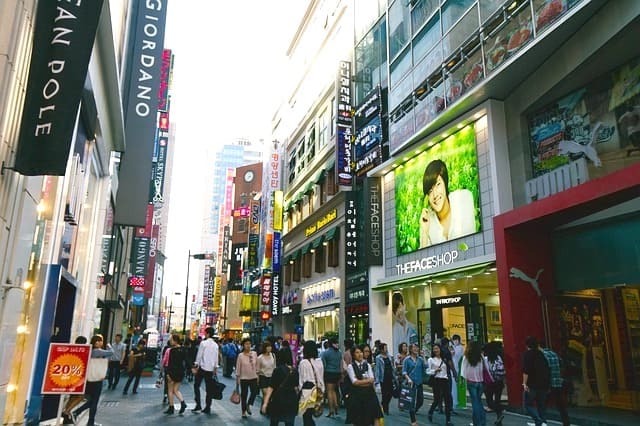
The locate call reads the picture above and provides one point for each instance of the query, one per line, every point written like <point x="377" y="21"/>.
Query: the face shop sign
<point x="426" y="263"/>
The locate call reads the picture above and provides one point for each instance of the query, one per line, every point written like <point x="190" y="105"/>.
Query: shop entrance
<point x="460" y="314"/>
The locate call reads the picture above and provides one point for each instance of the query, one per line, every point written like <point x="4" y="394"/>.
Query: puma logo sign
<point x="517" y="273"/>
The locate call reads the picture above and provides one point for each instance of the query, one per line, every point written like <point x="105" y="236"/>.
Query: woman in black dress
<point x="175" y="373"/>
<point x="282" y="402"/>
<point x="363" y="407"/>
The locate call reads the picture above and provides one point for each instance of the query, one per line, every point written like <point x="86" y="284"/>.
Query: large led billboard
<point x="437" y="193"/>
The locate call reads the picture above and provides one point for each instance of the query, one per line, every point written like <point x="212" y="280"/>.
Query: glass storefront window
<point x="398" y="70"/>
<point x="488" y="7"/>
<point x="399" y="23"/>
<point x="428" y="37"/>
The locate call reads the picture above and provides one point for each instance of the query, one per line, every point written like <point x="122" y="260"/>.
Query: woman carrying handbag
<point x="247" y="376"/>
<point x="311" y="382"/>
<point x="437" y="368"/>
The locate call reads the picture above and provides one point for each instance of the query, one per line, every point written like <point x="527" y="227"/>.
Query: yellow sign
<point x="278" y="201"/>
<point x="321" y="223"/>
<point x="217" y="293"/>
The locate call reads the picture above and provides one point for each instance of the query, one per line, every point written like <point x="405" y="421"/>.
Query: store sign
<point x="277" y="252"/>
<point x="426" y="263"/>
<point x="451" y="301"/>
<point x="373" y="221"/>
<point x="276" y="291"/>
<point x="140" y="88"/>
<point x="448" y="301"/>
<point x="217" y="293"/>
<point x="165" y="74"/>
<point x="344" y="119"/>
<point x="321" y="223"/>
<point x="265" y="290"/>
<point x="66" y="369"/>
<point x="357" y="295"/>
<point x="351" y="232"/>
<point x="321" y="294"/>
<point x="63" y="38"/>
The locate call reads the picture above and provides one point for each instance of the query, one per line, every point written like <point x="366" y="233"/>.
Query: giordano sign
<point x="321" y="223"/>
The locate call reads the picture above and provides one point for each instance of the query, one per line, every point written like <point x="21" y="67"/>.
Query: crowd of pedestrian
<point x="322" y="379"/>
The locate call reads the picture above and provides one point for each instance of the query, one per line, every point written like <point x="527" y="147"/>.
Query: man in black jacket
<point x="535" y="381"/>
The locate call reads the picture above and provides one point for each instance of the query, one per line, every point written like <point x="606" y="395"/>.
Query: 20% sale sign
<point x="66" y="369"/>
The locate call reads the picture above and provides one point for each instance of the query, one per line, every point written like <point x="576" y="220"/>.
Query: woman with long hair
<point x="282" y="401"/>
<point x="175" y="373"/>
<point x="311" y="374"/>
<point x="472" y="365"/>
<point x="403" y="352"/>
<point x="384" y="376"/>
<point x="363" y="407"/>
<point x="247" y="376"/>
<point x="332" y="362"/>
<point x="265" y="365"/>
<point x="413" y="369"/>
<point x="493" y="393"/>
<point x="437" y="367"/>
<point x="367" y="354"/>
<point x="97" y="371"/>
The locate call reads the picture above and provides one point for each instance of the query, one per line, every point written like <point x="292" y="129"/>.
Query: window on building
<point x="332" y="187"/>
<point x="307" y="260"/>
<point x="333" y="251"/>
<point x="322" y="195"/>
<point x="370" y="68"/>
<point x="421" y="11"/>
<point x="320" y="259"/>
<point x="292" y="165"/>
<point x="288" y="274"/>
<point x="300" y="153"/>
<point x="242" y="225"/>
<point x="297" y="266"/>
<point x="323" y="129"/>
<point x="399" y="26"/>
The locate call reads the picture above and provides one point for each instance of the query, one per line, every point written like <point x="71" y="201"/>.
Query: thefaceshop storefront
<point x="440" y="276"/>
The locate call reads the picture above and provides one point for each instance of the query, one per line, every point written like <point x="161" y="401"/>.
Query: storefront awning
<point x="306" y="249"/>
<point x="459" y="272"/>
<point x="295" y="255"/>
<point x="324" y="308"/>
<point x="317" y="242"/>
<point x="332" y="233"/>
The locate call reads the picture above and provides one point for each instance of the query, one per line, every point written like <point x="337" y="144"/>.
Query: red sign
<point x="66" y="369"/>
<point x="241" y="212"/>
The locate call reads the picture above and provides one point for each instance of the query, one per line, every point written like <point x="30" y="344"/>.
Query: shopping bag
<point x="217" y="389"/>
<point x="407" y="397"/>
<point x="235" y="396"/>
<point x="462" y="392"/>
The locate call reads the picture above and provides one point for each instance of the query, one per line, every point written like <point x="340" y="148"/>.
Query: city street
<point x="145" y="408"/>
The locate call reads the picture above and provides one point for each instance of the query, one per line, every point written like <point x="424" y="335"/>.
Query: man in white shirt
<point x="115" y="361"/>
<point x="205" y="367"/>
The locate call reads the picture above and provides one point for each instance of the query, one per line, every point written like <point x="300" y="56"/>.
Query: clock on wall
<point x="248" y="176"/>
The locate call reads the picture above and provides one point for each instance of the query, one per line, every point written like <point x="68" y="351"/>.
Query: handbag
<point x="311" y="398"/>
<point x="431" y="381"/>
<point x="97" y="369"/>
<point x="407" y="396"/>
<point x="216" y="389"/>
<point x="487" y="379"/>
<point x="235" y="396"/>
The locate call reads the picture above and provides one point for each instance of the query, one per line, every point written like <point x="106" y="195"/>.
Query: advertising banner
<point x="140" y="88"/>
<point x="276" y="292"/>
<point x="265" y="290"/>
<point x="62" y="42"/>
<point x="166" y="68"/>
<point x="368" y="133"/>
<point x="217" y="293"/>
<point x="278" y="210"/>
<point x="344" y="120"/>
<point x="437" y="193"/>
<point x="66" y="369"/>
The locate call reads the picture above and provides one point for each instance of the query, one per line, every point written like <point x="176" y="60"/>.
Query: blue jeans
<point x="537" y="411"/>
<point x="477" y="409"/>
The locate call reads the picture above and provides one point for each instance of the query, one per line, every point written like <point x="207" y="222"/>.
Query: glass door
<point x="424" y="331"/>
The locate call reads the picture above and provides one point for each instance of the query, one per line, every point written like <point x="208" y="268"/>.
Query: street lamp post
<point x="200" y="256"/>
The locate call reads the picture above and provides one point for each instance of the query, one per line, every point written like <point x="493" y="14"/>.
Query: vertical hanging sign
<point x="140" y="88"/>
<point x="351" y="232"/>
<point x="62" y="44"/>
<point x="344" y="119"/>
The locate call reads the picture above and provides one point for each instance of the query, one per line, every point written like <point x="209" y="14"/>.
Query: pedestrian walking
<point x="136" y="360"/>
<point x="493" y="391"/>
<point x="473" y="364"/>
<point x="385" y="376"/>
<point x="363" y="407"/>
<point x="284" y="355"/>
<point x="230" y="353"/>
<point x="403" y="352"/>
<point x="265" y="365"/>
<point x="535" y="381"/>
<point x="438" y="367"/>
<point x="413" y="371"/>
<point x="459" y="389"/>
<point x="332" y="364"/>
<point x="73" y="400"/>
<point x="206" y="368"/>
<point x="557" y="392"/>
<point x="247" y="377"/>
<point x="163" y="372"/>
<point x="175" y="373"/>
<point x="281" y="404"/>
<point x="311" y="374"/>
<point x="115" y="362"/>
<point x="96" y="372"/>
